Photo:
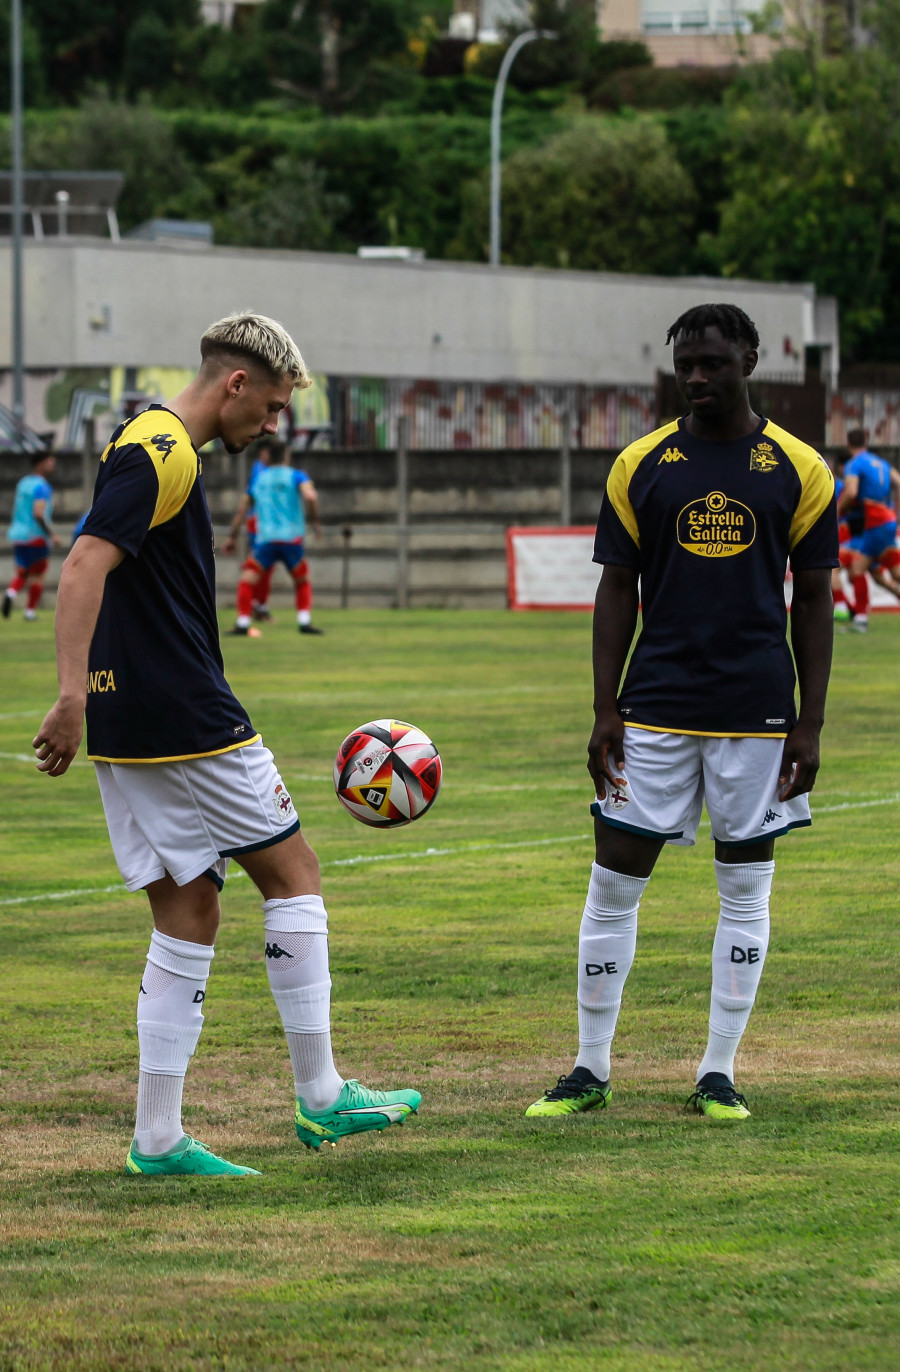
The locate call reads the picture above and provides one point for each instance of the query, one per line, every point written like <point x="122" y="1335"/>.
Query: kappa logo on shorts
<point x="284" y="806"/>
<point x="769" y="816"/>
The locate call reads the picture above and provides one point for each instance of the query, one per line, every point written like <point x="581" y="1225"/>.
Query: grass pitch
<point x="638" y="1238"/>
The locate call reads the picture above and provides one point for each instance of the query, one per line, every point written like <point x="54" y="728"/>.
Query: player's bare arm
<point x="895" y="486"/>
<point x="615" y="619"/>
<point x="812" y="633"/>
<point x="78" y="601"/>
<point x="39" y="510"/>
<point x="243" y="509"/>
<point x="311" y="505"/>
<point x="848" y="494"/>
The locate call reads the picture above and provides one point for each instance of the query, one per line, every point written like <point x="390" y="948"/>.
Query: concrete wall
<point x="93" y="303"/>
<point x="460" y="507"/>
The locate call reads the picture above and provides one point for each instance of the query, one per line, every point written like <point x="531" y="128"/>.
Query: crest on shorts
<point x="762" y="458"/>
<point x="617" y="797"/>
<point x="284" y="806"/>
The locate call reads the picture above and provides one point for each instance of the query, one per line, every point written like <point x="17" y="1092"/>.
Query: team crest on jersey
<point x="762" y="458"/>
<point x="716" y="526"/>
<point x="284" y="806"/>
<point x="672" y="455"/>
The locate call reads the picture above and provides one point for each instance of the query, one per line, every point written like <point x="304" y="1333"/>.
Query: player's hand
<point x="59" y="737"/>
<point x="606" y="751"/>
<point x="317" y="529"/>
<point x="229" y="545"/>
<point x="55" y="541"/>
<point x="799" y="762"/>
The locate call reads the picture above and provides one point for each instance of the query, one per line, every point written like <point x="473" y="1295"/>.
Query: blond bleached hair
<point x="258" y="339"/>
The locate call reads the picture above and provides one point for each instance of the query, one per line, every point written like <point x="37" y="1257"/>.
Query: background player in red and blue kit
<point x="867" y="502"/>
<point x="246" y="512"/>
<point x="280" y="495"/>
<point x="31" y="534"/>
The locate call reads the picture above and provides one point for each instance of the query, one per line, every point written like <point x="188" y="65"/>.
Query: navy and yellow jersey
<point x="710" y="527"/>
<point x="156" y="683"/>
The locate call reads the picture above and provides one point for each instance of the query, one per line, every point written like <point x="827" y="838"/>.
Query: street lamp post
<point x="509" y="57"/>
<point x="17" y="198"/>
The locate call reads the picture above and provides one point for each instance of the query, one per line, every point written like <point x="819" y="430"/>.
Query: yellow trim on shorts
<point x="699" y="733"/>
<point x="182" y="757"/>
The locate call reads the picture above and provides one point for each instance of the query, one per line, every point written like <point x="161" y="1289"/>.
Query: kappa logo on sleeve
<point x="672" y="455"/>
<point x="164" y="443"/>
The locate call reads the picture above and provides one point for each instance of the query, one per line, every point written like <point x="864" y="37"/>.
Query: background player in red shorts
<point x="870" y="489"/>
<point x="31" y="535"/>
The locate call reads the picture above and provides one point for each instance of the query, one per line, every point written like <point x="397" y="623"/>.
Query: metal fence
<point x="468" y="414"/>
<point x="876" y="411"/>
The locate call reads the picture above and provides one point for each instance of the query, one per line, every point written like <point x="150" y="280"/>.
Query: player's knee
<point x="301" y="573"/>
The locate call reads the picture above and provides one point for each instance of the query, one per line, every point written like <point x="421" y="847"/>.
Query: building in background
<point x="474" y="356"/>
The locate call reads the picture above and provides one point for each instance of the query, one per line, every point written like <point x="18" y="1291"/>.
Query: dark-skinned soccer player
<point x="699" y="521"/>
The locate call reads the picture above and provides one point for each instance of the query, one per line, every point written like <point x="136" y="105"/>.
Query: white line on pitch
<point x="363" y="858"/>
<point x="22" y="714"/>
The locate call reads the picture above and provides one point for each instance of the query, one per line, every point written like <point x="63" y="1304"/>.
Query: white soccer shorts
<point x="188" y="818"/>
<point x="668" y="776"/>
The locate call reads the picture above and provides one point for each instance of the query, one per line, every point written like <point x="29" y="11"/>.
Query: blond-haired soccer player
<point x="186" y="781"/>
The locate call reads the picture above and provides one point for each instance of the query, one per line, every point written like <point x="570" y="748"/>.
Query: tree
<point x="814" y="185"/>
<point x="340" y="53"/>
<point x="608" y="195"/>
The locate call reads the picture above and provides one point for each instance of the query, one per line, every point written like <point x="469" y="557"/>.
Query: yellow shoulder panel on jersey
<point x="816" y="481"/>
<point x="624" y="468"/>
<point x="165" y="441"/>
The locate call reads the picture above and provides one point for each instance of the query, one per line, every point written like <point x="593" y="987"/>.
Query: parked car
<point x="20" y="440"/>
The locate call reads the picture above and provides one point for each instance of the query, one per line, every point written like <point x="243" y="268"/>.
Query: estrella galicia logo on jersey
<point x="716" y="526"/>
<point x="672" y="455"/>
<point x="762" y="458"/>
<point x="164" y="443"/>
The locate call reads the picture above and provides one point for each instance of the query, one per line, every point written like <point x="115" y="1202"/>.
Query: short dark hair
<point x="730" y="320"/>
<point x="275" y="447"/>
<point x="39" y="457"/>
<point x="856" y="438"/>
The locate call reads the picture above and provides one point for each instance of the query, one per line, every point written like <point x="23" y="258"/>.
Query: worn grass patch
<point x="640" y="1238"/>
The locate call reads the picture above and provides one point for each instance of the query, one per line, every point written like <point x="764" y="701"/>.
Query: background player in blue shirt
<point x="31" y="534"/>
<point x="699" y="519"/>
<point x="246" y="516"/>
<point x="868" y="502"/>
<point x="281" y="495"/>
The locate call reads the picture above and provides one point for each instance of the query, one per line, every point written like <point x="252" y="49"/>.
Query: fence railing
<point x="457" y="415"/>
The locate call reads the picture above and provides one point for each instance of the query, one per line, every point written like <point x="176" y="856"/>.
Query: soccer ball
<point x="387" y="773"/>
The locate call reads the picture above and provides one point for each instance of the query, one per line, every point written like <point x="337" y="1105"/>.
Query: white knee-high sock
<point x="606" y="947"/>
<point x="297" y="964"/>
<point x="739" y="952"/>
<point x="169" y="1020"/>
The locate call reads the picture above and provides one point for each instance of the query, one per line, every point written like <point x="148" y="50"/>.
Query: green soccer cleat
<point x="716" y="1098"/>
<point x="571" y="1095"/>
<point x="189" y="1158"/>
<point x="356" y="1110"/>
